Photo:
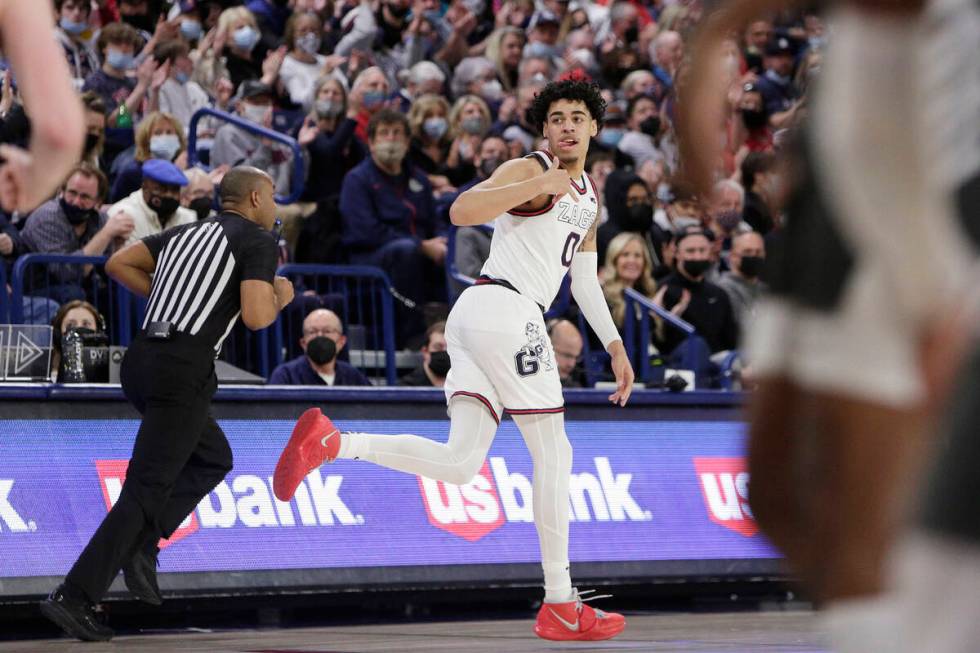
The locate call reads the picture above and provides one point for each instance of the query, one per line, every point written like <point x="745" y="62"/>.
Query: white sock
<point x="552" y="457"/>
<point x="471" y="432"/>
<point x="864" y="625"/>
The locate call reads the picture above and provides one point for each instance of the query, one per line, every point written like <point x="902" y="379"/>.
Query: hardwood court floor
<point x="742" y="632"/>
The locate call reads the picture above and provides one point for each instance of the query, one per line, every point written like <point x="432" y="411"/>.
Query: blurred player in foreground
<point x="874" y="249"/>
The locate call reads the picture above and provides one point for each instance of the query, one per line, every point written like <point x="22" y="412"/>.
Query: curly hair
<point x="573" y="90"/>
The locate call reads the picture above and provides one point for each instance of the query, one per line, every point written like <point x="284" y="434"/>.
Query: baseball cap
<point x="780" y="45"/>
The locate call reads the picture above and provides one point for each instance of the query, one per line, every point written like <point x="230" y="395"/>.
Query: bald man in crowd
<point x="323" y="339"/>
<point x="566" y="340"/>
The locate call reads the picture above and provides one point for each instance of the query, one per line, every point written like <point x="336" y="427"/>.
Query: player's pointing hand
<point x="555" y="181"/>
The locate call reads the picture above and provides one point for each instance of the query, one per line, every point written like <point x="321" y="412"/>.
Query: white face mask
<point x="492" y="91"/>
<point x="256" y="113"/>
<point x="164" y="146"/>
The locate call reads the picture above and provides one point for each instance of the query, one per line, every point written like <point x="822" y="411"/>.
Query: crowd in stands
<point x="398" y="106"/>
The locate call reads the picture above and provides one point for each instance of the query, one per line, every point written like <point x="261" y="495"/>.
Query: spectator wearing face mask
<point x="328" y="136"/>
<point x="239" y="34"/>
<point x="323" y="339"/>
<point x="180" y="96"/>
<point x="667" y="54"/>
<point x="234" y="146"/>
<point x="435" y="360"/>
<point x="428" y="122"/>
<point x="708" y="309"/>
<point x="73" y="33"/>
<point x="389" y="219"/>
<point x="469" y="122"/>
<point x="155" y="207"/>
<point x="542" y="37"/>
<point x="681" y="211"/>
<point x="782" y="101"/>
<point x="743" y="282"/>
<point x="369" y="92"/>
<point x="304" y="64"/>
<point x="72" y="224"/>
<point x="630" y="210"/>
<point x="118" y="44"/>
<point x="643" y="128"/>
<point x="198" y="194"/>
<point x="158" y="136"/>
<point x="477" y="76"/>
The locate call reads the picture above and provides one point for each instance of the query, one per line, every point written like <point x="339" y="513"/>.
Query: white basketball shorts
<point x="501" y="354"/>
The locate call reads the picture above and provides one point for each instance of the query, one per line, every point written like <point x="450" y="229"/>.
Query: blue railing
<point x="297" y="179"/>
<point x="637" y="341"/>
<point x="360" y="295"/>
<point x="32" y="276"/>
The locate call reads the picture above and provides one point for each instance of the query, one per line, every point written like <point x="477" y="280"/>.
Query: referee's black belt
<point x="484" y="280"/>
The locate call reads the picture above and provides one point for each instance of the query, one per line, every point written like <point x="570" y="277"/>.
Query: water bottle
<point x="124" y="119"/>
<point x="72" y="367"/>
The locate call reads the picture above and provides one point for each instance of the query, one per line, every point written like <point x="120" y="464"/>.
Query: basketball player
<point x="29" y="177"/>
<point x="545" y="208"/>
<point x="872" y="253"/>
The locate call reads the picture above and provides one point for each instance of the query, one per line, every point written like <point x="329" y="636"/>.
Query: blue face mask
<point x="119" y="60"/>
<point x="181" y="77"/>
<point x="245" y="38"/>
<point x="539" y="49"/>
<point x="371" y="99"/>
<point x="611" y="137"/>
<point x="72" y="27"/>
<point x="190" y="30"/>
<point x="435" y="128"/>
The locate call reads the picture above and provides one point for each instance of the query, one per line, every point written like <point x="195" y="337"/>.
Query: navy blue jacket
<point x="299" y="372"/>
<point x="378" y="208"/>
<point x="10" y="230"/>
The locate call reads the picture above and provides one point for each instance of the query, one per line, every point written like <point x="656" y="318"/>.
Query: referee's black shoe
<point x="140" y="574"/>
<point x="75" y="616"/>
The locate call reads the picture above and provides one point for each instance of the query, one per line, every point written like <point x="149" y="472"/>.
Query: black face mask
<point x="754" y="119"/>
<point x="651" y="126"/>
<point x="321" y="350"/>
<point x="75" y="214"/>
<point x="696" y="269"/>
<point x="91" y="140"/>
<point x="751" y="266"/>
<point x="631" y="34"/>
<point x="639" y="217"/>
<point x="439" y="363"/>
<point x="164" y="206"/>
<point x="487" y="166"/>
<point x="201" y="206"/>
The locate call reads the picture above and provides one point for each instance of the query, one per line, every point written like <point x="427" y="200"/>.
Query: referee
<point x="204" y="275"/>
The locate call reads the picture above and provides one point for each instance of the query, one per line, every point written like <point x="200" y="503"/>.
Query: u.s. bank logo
<point x="534" y="354"/>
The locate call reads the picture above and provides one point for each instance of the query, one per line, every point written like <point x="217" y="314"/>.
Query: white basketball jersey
<point x="533" y="250"/>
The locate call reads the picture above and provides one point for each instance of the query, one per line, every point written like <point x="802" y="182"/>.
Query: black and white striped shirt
<point x="199" y="271"/>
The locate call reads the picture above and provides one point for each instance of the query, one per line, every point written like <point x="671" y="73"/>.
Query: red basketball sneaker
<point x="315" y="440"/>
<point x="576" y="621"/>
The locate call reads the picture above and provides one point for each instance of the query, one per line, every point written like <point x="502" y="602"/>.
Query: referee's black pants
<point x="180" y="455"/>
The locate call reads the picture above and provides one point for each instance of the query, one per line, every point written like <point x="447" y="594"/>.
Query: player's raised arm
<point x="514" y="183"/>
<point x="28" y="178"/>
